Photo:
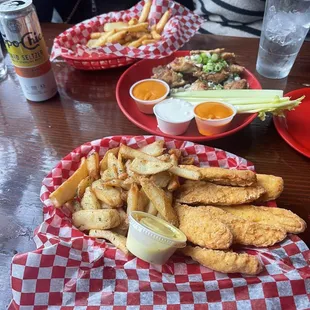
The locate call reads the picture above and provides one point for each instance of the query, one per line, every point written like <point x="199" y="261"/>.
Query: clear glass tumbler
<point x="285" y="26"/>
<point x="3" y="68"/>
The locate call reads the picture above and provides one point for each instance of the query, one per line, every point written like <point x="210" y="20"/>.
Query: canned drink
<point x="23" y="38"/>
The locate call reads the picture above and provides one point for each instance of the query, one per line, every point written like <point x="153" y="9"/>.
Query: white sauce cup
<point x="146" y="106"/>
<point x="173" y="116"/>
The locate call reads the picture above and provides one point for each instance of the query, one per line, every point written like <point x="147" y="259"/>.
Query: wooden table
<point x="35" y="136"/>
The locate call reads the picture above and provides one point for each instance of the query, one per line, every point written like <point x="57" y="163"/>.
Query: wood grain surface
<point x="35" y="136"/>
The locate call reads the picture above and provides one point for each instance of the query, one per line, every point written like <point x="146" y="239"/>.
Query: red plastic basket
<point x="98" y="63"/>
<point x="71" y="44"/>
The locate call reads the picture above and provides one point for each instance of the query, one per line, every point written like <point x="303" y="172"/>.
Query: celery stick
<point x="236" y="101"/>
<point x="231" y="93"/>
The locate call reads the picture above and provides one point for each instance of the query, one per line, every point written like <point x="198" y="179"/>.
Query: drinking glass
<point x="3" y="68"/>
<point x="285" y="26"/>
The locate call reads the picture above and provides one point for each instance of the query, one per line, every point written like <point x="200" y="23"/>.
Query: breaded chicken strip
<point x="223" y="176"/>
<point x="198" y="193"/>
<point x="244" y="232"/>
<point x="200" y="229"/>
<point x="283" y="218"/>
<point x="272" y="184"/>
<point x="226" y="262"/>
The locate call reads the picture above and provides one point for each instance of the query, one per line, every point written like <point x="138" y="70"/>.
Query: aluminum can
<point x="23" y="39"/>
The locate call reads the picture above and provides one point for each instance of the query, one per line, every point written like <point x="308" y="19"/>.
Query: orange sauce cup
<point x="146" y="93"/>
<point x="213" y="117"/>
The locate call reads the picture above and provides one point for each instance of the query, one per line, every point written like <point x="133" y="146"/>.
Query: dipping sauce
<point x="149" y="90"/>
<point x="213" y="118"/>
<point x="160" y="228"/>
<point x="152" y="239"/>
<point x="175" y="110"/>
<point x="173" y="116"/>
<point x="213" y="110"/>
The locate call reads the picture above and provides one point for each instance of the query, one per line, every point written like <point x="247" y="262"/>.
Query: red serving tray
<point x="295" y="127"/>
<point x="142" y="70"/>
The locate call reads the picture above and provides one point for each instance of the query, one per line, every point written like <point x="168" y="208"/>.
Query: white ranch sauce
<point x="174" y="110"/>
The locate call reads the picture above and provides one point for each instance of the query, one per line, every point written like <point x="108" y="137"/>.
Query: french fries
<point x="92" y="163"/>
<point x="130" y="153"/>
<point x="133" y="199"/>
<point x="145" y="167"/>
<point x="155" y="35"/>
<point x="148" y="41"/>
<point x="96" y="219"/>
<point x="95" y="35"/>
<point x="161" y="179"/>
<point x="150" y="208"/>
<point x="102" y="40"/>
<point x="160" y="200"/>
<point x="117" y="37"/>
<point x="89" y="200"/>
<point x="185" y="173"/>
<point x="132" y="33"/>
<point x="162" y="22"/>
<point x="122" y="228"/>
<point x="154" y="149"/>
<point x="145" y="11"/>
<point x="104" y="161"/>
<point x="133" y="21"/>
<point x="67" y="190"/>
<point x="138" y="42"/>
<point x="83" y="185"/>
<point x="109" y="195"/>
<point x="116" y="239"/>
<point x="114" y="26"/>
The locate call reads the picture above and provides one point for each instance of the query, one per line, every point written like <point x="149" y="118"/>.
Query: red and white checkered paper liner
<point x="71" y="270"/>
<point x="182" y="25"/>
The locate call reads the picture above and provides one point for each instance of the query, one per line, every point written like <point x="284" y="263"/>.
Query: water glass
<point x="3" y="68"/>
<point x="285" y="26"/>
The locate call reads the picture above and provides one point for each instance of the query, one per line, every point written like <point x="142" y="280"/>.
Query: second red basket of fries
<point x="148" y="30"/>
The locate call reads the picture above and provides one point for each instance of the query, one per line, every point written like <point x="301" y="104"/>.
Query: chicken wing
<point x="282" y="218"/>
<point x="212" y="77"/>
<point x="241" y="84"/>
<point x="236" y="69"/>
<point x="173" y="79"/>
<point x="199" y="85"/>
<point x="223" y="176"/>
<point x="243" y="231"/>
<point x="183" y="65"/>
<point x="229" y="57"/>
<point x="207" y="193"/>
<point x="215" y="51"/>
<point x="200" y="229"/>
<point x="226" y="262"/>
<point x="272" y="184"/>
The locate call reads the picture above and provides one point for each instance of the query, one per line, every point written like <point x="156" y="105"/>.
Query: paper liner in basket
<point x="182" y="25"/>
<point x="71" y="270"/>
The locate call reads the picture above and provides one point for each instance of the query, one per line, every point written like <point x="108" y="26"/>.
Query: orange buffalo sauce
<point x="213" y="110"/>
<point x="149" y="90"/>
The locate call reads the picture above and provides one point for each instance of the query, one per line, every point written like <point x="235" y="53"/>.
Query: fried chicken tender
<point x="272" y="184"/>
<point x="282" y="218"/>
<point x="226" y="262"/>
<point x="223" y="176"/>
<point x="243" y="231"/>
<point x="198" y="193"/>
<point x="200" y="229"/>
